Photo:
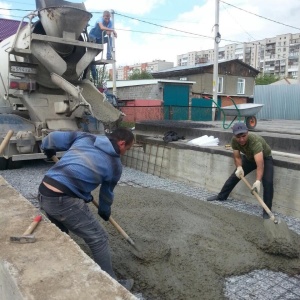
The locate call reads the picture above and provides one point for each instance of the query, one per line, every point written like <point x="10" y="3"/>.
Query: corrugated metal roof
<point x="285" y="81"/>
<point x="199" y="66"/>
<point x="124" y="83"/>
<point x="8" y="27"/>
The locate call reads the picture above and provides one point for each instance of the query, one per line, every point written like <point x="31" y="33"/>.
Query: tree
<point x="137" y="74"/>
<point x="266" y="79"/>
<point x="102" y="75"/>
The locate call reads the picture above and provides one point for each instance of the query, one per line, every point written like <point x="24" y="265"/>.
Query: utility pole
<point x="114" y="68"/>
<point x="298" y="75"/>
<point x="216" y="57"/>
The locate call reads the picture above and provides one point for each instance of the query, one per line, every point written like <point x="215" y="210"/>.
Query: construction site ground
<point x="190" y="248"/>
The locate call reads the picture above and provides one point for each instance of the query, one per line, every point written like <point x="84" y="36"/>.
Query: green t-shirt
<point x="254" y="145"/>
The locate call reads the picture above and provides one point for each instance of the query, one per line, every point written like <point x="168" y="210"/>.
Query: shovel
<point x="119" y="228"/>
<point x="279" y="238"/>
<point x="261" y="202"/>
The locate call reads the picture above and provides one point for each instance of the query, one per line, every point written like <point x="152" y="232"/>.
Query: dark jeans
<point x="249" y="166"/>
<point x="74" y="214"/>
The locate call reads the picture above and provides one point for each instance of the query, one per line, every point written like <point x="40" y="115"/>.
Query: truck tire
<point x="3" y="163"/>
<point x="14" y="164"/>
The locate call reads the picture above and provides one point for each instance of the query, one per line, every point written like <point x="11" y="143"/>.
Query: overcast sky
<point x="162" y="29"/>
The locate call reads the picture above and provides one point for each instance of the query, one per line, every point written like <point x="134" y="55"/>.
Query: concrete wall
<point x="147" y="91"/>
<point x="208" y="168"/>
<point x="54" y="267"/>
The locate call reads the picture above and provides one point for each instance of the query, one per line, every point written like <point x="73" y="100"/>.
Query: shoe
<point x="126" y="283"/>
<point x="213" y="198"/>
<point x="265" y="216"/>
<point x="109" y="58"/>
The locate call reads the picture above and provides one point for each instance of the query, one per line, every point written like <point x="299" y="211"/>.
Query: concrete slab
<point x="54" y="267"/>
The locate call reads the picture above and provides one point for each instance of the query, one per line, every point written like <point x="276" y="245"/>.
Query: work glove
<point x="239" y="172"/>
<point x="256" y="187"/>
<point x="49" y="153"/>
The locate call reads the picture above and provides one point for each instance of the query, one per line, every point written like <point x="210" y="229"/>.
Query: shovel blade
<point x="279" y="239"/>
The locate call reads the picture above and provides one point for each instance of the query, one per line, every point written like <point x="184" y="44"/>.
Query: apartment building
<point x="277" y="56"/>
<point x="124" y="72"/>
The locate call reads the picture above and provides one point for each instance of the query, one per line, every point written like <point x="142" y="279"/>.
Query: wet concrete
<point x="205" y="244"/>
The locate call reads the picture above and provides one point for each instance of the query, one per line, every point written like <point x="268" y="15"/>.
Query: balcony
<point x="292" y="68"/>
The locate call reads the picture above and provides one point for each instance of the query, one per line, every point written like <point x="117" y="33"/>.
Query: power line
<point x="239" y="24"/>
<point x="169" y="28"/>
<point x="174" y="29"/>
<point x="260" y="16"/>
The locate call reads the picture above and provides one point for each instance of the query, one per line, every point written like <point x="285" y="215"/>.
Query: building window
<point x="220" y="84"/>
<point x="241" y="86"/>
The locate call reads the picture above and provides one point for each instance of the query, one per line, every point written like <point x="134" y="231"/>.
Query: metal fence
<point x="280" y="101"/>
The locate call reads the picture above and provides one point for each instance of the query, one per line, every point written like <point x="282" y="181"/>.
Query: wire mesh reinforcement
<point x="148" y="158"/>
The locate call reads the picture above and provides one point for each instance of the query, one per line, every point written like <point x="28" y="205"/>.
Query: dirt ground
<point x="187" y="246"/>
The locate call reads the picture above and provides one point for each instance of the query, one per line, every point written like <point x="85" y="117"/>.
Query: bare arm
<point x="237" y="158"/>
<point x="108" y="30"/>
<point x="259" y="159"/>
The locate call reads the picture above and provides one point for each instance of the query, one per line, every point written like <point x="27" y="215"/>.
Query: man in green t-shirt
<point x="257" y="155"/>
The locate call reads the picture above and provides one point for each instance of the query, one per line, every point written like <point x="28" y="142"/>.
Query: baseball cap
<point x="239" y="128"/>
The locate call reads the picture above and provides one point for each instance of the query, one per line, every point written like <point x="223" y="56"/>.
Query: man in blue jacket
<point x="65" y="190"/>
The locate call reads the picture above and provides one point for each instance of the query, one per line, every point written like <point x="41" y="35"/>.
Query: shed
<point x="171" y="92"/>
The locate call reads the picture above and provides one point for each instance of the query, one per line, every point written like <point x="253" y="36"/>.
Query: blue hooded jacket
<point x="89" y="161"/>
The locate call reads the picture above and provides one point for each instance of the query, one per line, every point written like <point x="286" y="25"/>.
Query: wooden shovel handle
<point x="261" y="201"/>
<point x="117" y="226"/>
<point x="54" y="158"/>
<point x="6" y="140"/>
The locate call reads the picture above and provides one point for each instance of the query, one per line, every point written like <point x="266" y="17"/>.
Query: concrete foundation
<point x="54" y="267"/>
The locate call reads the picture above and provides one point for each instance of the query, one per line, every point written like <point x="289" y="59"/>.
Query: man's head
<point x="106" y="15"/>
<point x="124" y="138"/>
<point x="240" y="132"/>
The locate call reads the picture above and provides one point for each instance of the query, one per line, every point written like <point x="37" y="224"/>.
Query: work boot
<point x="213" y="198"/>
<point x="126" y="283"/>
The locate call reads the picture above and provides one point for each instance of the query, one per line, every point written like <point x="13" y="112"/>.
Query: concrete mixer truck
<point x="44" y="84"/>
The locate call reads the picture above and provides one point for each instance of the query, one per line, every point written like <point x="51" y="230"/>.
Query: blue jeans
<point x="108" y="41"/>
<point x="75" y="215"/>
<point x="249" y="166"/>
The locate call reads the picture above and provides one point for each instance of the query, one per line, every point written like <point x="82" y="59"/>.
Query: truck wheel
<point x="3" y="163"/>
<point x="251" y="122"/>
<point x="14" y="164"/>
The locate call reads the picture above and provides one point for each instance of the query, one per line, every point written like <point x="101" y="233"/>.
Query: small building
<point x="235" y="79"/>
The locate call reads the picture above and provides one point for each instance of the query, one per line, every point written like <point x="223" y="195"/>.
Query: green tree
<point x="102" y="76"/>
<point x="265" y="79"/>
<point x="137" y="74"/>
